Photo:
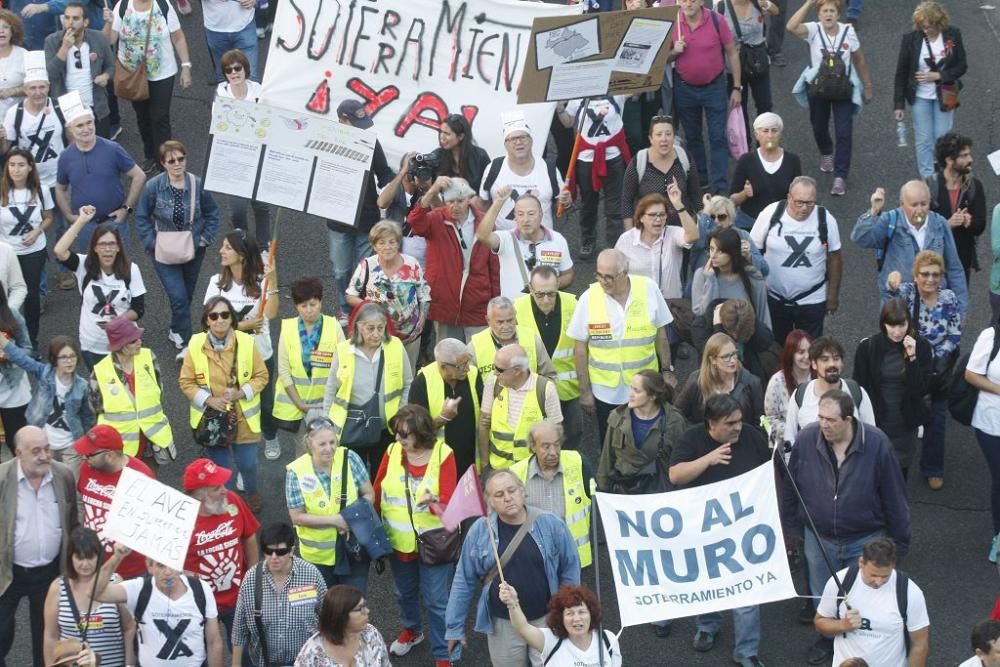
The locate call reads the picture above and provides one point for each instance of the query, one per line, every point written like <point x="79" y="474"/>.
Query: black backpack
<point x="497" y="164"/>
<point x="853" y="388"/>
<point x="833" y="80"/>
<point x="162" y="4"/>
<point x="779" y="211"/>
<point x="555" y="649"/>
<point x="195" y="584"/>
<point x="19" y="120"/>
<point x="902" y="597"/>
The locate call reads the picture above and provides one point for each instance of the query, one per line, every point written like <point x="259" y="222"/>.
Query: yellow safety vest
<point x="129" y="413"/>
<point x="611" y="360"/>
<point x="310" y="387"/>
<point x="577" y="516"/>
<point x="567" y="383"/>
<point x="395" y="513"/>
<point x="509" y="444"/>
<point x="392" y="380"/>
<point x="486" y="349"/>
<point x="435" y="391"/>
<point x="319" y="545"/>
<point x="244" y="370"/>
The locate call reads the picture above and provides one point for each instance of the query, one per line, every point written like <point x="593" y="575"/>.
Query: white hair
<point x="458" y="189"/>
<point x="498" y="303"/>
<point x="768" y="119"/>
<point x="448" y="350"/>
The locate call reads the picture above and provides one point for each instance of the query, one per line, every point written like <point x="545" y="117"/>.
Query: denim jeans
<point x="843" y="127"/>
<point x="237" y="458"/>
<point x="589" y="200"/>
<point x="929" y="123"/>
<point x="990" y="446"/>
<point x="784" y="318"/>
<point x="346" y="250"/>
<point x="691" y="102"/>
<point x="776" y="29"/>
<point x="854" y="8"/>
<point x="357" y="578"/>
<point x="842" y="554"/>
<point x="414" y="583"/>
<point x="245" y="40"/>
<point x="179" y="281"/>
<point x="746" y="630"/>
<point x="261" y="214"/>
<point x="932" y="448"/>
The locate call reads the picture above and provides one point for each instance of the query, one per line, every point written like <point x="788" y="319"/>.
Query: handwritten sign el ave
<point x="151" y="518"/>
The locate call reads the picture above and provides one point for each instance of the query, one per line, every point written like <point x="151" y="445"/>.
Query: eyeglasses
<point x="545" y="295"/>
<point x="232" y="69"/>
<point x="518" y="139"/>
<point x="804" y="203"/>
<point x="276" y="551"/>
<point x="656" y="216"/>
<point x="532" y="259"/>
<point x="176" y="160"/>
<point x="106" y="244"/>
<point x="215" y="316"/>
<point x="500" y="371"/>
<point x="462" y="368"/>
<point x="727" y="357"/>
<point x="933" y="275"/>
<point x="403" y="434"/>
<point x="66" y="357"/>
<point x="607" y="277"/>
<point x="97" y="453"/>
<point x="719" y="217"/>
<point x="78" y="57"/>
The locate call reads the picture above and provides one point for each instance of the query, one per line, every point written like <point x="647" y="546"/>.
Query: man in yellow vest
<point x="557" y="480"/>
<point x="503" y="330"/>
<point x="548" y="311"/>
<point x="514" y="400"/>
<point x="447" y="388"/>
<point x="620" y="328"/>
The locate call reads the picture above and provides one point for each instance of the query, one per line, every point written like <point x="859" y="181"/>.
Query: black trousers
<point x="32" y="266"/>
<point x="153" y="116"/>
<point x="32" y="583"/>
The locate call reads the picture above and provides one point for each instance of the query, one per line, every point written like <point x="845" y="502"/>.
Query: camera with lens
<point x="423" y="167"/>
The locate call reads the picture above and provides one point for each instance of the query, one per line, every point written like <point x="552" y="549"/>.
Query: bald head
<point x="512" y="356"/>
<point x="27" y="436"/>
<point x="32" y="450"/>
<point x="915" y="200"/>
<point x="611" y="261"/>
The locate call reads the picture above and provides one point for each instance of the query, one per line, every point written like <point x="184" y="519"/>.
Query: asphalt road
<point x="951" y="527"/>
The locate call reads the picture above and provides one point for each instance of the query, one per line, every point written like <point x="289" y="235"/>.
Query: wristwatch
<point x="129" y="209"/>
<point x="739" y="88"/>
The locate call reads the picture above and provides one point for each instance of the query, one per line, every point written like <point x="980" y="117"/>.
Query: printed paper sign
<point x="151" y="518"/>
<point x="710" y="548"/>
<point x="412" y="63"/>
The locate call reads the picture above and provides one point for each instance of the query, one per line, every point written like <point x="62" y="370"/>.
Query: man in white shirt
<point x="37" y="124"/>
<point x="523" y="173"/>
<point x="985" y="645"/>
<point x="801" y="243"/>
<point x="868" y="623"/>
<point x="526" y="247"/>
<point x="826" y="355"/>
<point x="620" y="327"/>
<point x="229" y="25"/>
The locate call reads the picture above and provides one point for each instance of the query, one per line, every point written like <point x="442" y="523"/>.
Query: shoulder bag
<point x="363" y="426"/>
<point x="349" y="550"/>
<point x="754" y="61"/>
<point x="134" y="85"/>
<point x="947" y="93"/>
<point x="437" y="546"/>
<point x="177" y="246"/>
<point x="512" y="546"/>
<point x="218" y="429"/>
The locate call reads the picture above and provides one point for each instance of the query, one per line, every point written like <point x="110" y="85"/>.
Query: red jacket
<point x="451" y="302"/>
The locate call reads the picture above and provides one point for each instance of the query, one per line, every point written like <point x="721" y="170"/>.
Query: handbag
<point x="947" y="93"/>
<point x="348" y="549"/>
<point x="736" y="133"/>
<point x="437" y="546"/>
<point x="363" y="426"/>
<point x="218" y="429"/>
<point x="177" y="247"/>
<point x="754" y="61"/>
<point x="134" y="85"/>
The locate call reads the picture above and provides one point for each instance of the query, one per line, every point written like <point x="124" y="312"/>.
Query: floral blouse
<point x="160" y="60"/>
<point x="776" y="408"/>
<point x="371" y="653"/>
<point x="940" y="325"/>
<point x="406" y="295"/>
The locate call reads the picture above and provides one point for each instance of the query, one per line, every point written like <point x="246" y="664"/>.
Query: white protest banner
<point x="709" y="548"/>
<point x="151" y="518"/>
<point x="412" y="63"/>
<point x="288" y="158"/>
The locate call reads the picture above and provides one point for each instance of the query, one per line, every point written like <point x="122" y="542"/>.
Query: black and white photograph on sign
<point x="641" y="44"/>
<point x="567" y="44"/>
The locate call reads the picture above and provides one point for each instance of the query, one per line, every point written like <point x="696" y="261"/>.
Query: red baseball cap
<point x="98" y="439"/>
<point x="204" y="472"/>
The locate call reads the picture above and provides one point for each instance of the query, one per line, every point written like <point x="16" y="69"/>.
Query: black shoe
<point x="662" y="631"/>
<point x="806" y="613"/>
<point x="820" y="652"/>
<point x="586" y="249"/>
<point x="778" y="60"/>
<point x="704" y="641"/>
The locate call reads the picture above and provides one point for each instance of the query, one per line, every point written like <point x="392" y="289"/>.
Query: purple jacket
<point x="865" y="495"/>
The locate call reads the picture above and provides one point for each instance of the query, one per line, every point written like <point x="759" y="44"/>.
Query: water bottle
<point x="900" y="133"/>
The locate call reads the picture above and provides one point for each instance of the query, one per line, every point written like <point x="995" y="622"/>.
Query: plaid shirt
<point x="309" y="342"/>
<point x="289" y="616"/>
<point x="293" y="492"/>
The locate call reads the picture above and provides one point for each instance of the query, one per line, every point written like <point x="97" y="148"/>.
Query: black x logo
<point x="514" y="196"/>
<point x="243" y="312"/>
<point x="23" y="225"/>
<point x="41" y="143"/>
<point x="797" y="257"/>
<point x="173" y="647"/>
<point x="103" y="301"/>
<point x="597" y="126"/>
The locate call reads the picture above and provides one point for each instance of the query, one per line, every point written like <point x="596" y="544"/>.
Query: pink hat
<point x="121" y="331"/>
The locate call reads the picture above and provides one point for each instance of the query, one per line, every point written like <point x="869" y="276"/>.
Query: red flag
<point x="466" y="501"/>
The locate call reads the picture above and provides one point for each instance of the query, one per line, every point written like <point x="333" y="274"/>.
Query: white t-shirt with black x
<point x="172" y="633"/>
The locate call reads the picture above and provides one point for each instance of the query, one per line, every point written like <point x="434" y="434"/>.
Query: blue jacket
<point x="562" y="566"/>
<point x="155" y="210"/>
<point x="867" y="493"/>
<point x="79" y="416"/>
<point x="872" y="232"/>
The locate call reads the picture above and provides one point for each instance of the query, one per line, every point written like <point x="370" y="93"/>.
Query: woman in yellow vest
<point x="314" y="485"/>
<point x="305" y="351"/>
<point x="223" y="370"/>
<point x="414" y="483"/>
<point x="369" y="379"/>
<point x="127" y="394"/>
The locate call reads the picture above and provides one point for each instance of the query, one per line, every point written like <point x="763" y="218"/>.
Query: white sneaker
<point x="406" y="640"/>
<point x="180" y="355"/>
<point x="272" y="449"/>
<point x="239" y="482"/>
<point x="176" y="339"/>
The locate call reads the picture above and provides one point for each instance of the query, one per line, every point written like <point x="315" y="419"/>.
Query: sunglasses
<point x="500" y="371"/>
<point x="319" y="423"/>
<point x="78" y="57"/>
<point x="719" y="217"/>
<point x="404" y="434"/>
<point x="177" y="160"/>
<point x="215" y="316"/>
<point x="661" y="118"/>
<point x="546" y="295"/>
<point x="274" y="551"/>
<point x="232" y="69"/>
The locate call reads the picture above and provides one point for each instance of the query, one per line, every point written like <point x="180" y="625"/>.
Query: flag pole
<point x="496" y="552"/>
<point x="271" y="252"/>
<point x="595" y="558"/>
<point x="576" y="151"/>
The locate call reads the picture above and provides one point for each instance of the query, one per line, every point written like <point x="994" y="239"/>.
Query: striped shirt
<point x="104" y="633"/>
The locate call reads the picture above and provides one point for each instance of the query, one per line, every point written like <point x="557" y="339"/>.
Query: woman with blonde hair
<point x="721" y="373"/>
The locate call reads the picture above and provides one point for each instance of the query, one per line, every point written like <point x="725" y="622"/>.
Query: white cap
<point x="513" y="121"/>
<point x="34" y="67"/>
<point x="73" y="107"/>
